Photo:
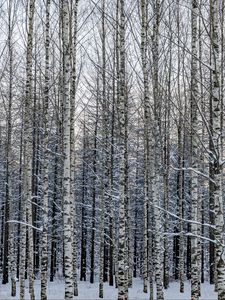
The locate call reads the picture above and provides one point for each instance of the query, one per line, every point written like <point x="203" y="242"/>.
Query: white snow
<point x="89" y="291"/>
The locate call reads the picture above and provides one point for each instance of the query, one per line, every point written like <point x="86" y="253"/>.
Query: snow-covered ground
<point x="89" y="291"/>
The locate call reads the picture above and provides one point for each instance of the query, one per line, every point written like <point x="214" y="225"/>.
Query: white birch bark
<point x="151" y="255"/>
<point x="166" y="275"/>
<point x="72" y="141"/>
<point x="104" y="158"/>
<point x="67" y="229"/>
<point x="181" y="158"/>
<point x="130" y="245"/>
<point x="181" y="204"/>
<point x="44" y="246"/>
<point x="11" y="226"/>
<point x="157" y="243"/>
<point x="101" y="254"/>
<point x="216" y="135"/>
<point x="156" y="157"/>
<point x="122" y="283"/>
<point x="117" y="43"/>
<point x="146" y="137"/>
<point x="194" y="156"/>
<point x="27" y="169"/>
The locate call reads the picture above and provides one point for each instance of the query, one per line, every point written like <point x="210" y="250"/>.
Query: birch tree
<point x="104" y="158"/>
<point x="217" y="154"/>
<point x="144" y="34"/>
<point x="122" y="283"/>
<point x="9" y="259"/>
<point x="194" y="155"/>
<point x="44" y="254"/>
<point x="67" y="222"/>
<point x="156" y="153"/>
<point x="73" y="42"/>
<point x="26" y="206"/>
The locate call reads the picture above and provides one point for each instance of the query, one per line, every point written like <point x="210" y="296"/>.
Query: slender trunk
<point x="156" y="156"/>
<point x="181" y="206"/>
<point x="111" y="182"/>
<point x="26" y="206"/>
<point x="8" y="242"/>
<point x="53" y="229"/>
<point x="144" y="31"/>
<point x="194" y="157"/>
<point x="104" y="158"/>
<point x="68" y="244"/>
<point x="20" y="198"/>
<point x="92" y="275"/>
<point x="83" y="259"/>
<point x="73" y="41"/>
<point x="217" y="155"/>
<point x="167" y="163"/>
<point x="12" y="227"/>
<point x="181" y="160"/>
<point x="36" y="166"/>
<point x="122" y="283"/>
<point x="117" y="46"/>
<point x="44" y="252"/>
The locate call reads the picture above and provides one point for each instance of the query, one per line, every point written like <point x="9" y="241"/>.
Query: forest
<point x="112" y="149"/>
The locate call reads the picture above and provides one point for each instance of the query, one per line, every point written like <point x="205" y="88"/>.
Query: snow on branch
<point x="24" y="223"/>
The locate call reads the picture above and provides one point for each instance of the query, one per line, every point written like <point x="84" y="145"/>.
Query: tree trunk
<point x="68" y="240"/>
<point x="122" y="282"/>
<point x="26" y="206"/>
<point x="83" y="258"/>
<point x="156" y="156"/>
<point x="44" y="246"/>
<point x="194" y="157"/>
<point x="102" y="261"/>
<point x="217" y="155"/>
<point x="144" y="31"/>
<point x="73" y="41"/>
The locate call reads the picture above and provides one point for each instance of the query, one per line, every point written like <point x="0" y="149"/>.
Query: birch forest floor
<point x="89" y="291"/>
